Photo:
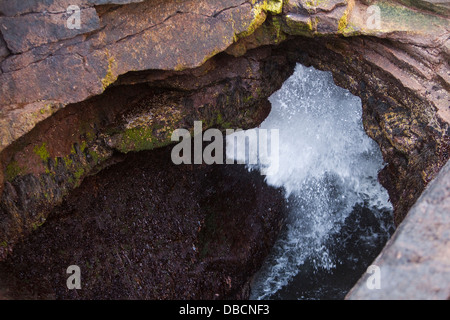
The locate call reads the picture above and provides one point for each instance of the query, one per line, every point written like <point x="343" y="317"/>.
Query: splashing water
<point x="328" y="166"/>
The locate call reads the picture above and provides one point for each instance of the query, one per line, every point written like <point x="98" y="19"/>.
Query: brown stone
<point x="415" y="264"/>
<point x="33" y="30"/>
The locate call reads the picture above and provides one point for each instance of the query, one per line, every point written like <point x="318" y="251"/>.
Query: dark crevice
<point x="4" y="50"/>
<point x="217" y="13"/>
<point x="105" y="9"/>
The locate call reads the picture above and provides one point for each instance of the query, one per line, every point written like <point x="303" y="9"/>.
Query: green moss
<point x="310" y="25"/>
<point x="67" y="161"/>
<point x="221" y="122"/>
<point x="83" y="146"/>
<point x="77" y="174"/>
<point x="141" y="138"/>
<point x="395" y="16"/>
<point x="90" y="135"/>
<point x="247" y="99"/>
<point x="4" y="244"/>
<point x="47" y="108"/>
<point x="13" y="170"/>
<point x="219" y="118"/>
<point x="36" y="225"/>
<point x="94" y="156"/>
<point x="42" y="152"/>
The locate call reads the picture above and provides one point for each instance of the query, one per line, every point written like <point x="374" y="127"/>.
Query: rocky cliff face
<point x="72" y="99"/>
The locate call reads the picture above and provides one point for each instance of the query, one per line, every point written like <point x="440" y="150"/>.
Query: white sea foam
<point x="327" y="165"/>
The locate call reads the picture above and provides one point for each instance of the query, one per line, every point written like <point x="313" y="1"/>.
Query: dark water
<point x="357" y="244"/>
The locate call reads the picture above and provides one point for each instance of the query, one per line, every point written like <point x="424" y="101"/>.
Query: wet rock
<point x="401" y="108"/>
<point x="134" y="116"/>
<point x="148" y="229"/>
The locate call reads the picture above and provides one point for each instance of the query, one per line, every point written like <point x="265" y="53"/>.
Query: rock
<point x="436" y="6"/>
<point x="53" y="160"/>
<point x="175" y="234"/>
<point x="87" y="65"/>
<point x="69" y="101"/>
<point x="401" y="108"/>
<point x="4" y="52"/>
<point x="11" y="8"/>
<point x="399" y="21"/>
<point x="415" y="264"/>
<point x="303" y="17"/>
<point x="20" y="32"/>
<point x="84" y="67"/>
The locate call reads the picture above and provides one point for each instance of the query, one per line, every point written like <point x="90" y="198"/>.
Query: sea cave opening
<point x="338" y="215"/>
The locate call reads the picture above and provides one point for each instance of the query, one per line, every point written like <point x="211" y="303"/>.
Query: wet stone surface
<point x="148" y="229"/>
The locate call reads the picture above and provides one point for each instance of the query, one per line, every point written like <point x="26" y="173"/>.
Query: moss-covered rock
<point x="53" y="160"/>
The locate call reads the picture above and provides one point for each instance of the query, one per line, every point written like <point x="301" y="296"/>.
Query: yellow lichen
<point x="343" y="21"/>
<point x="257" y="21"/>
<point x="310" y="24"/>
<point x="274" y="6"/>
<point x="259" y="11"/>
<point x="42" y="152"/>
<point x="109" y="77"/>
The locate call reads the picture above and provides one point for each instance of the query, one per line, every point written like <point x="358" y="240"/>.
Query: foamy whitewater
<point x="327" y="165"/>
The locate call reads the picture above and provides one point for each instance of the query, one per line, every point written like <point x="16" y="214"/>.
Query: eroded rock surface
<point x="52" y="65"/>
<point x="53" y="159"/>
<point x="148" y="229"/>
<point x="72" y="98"/>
